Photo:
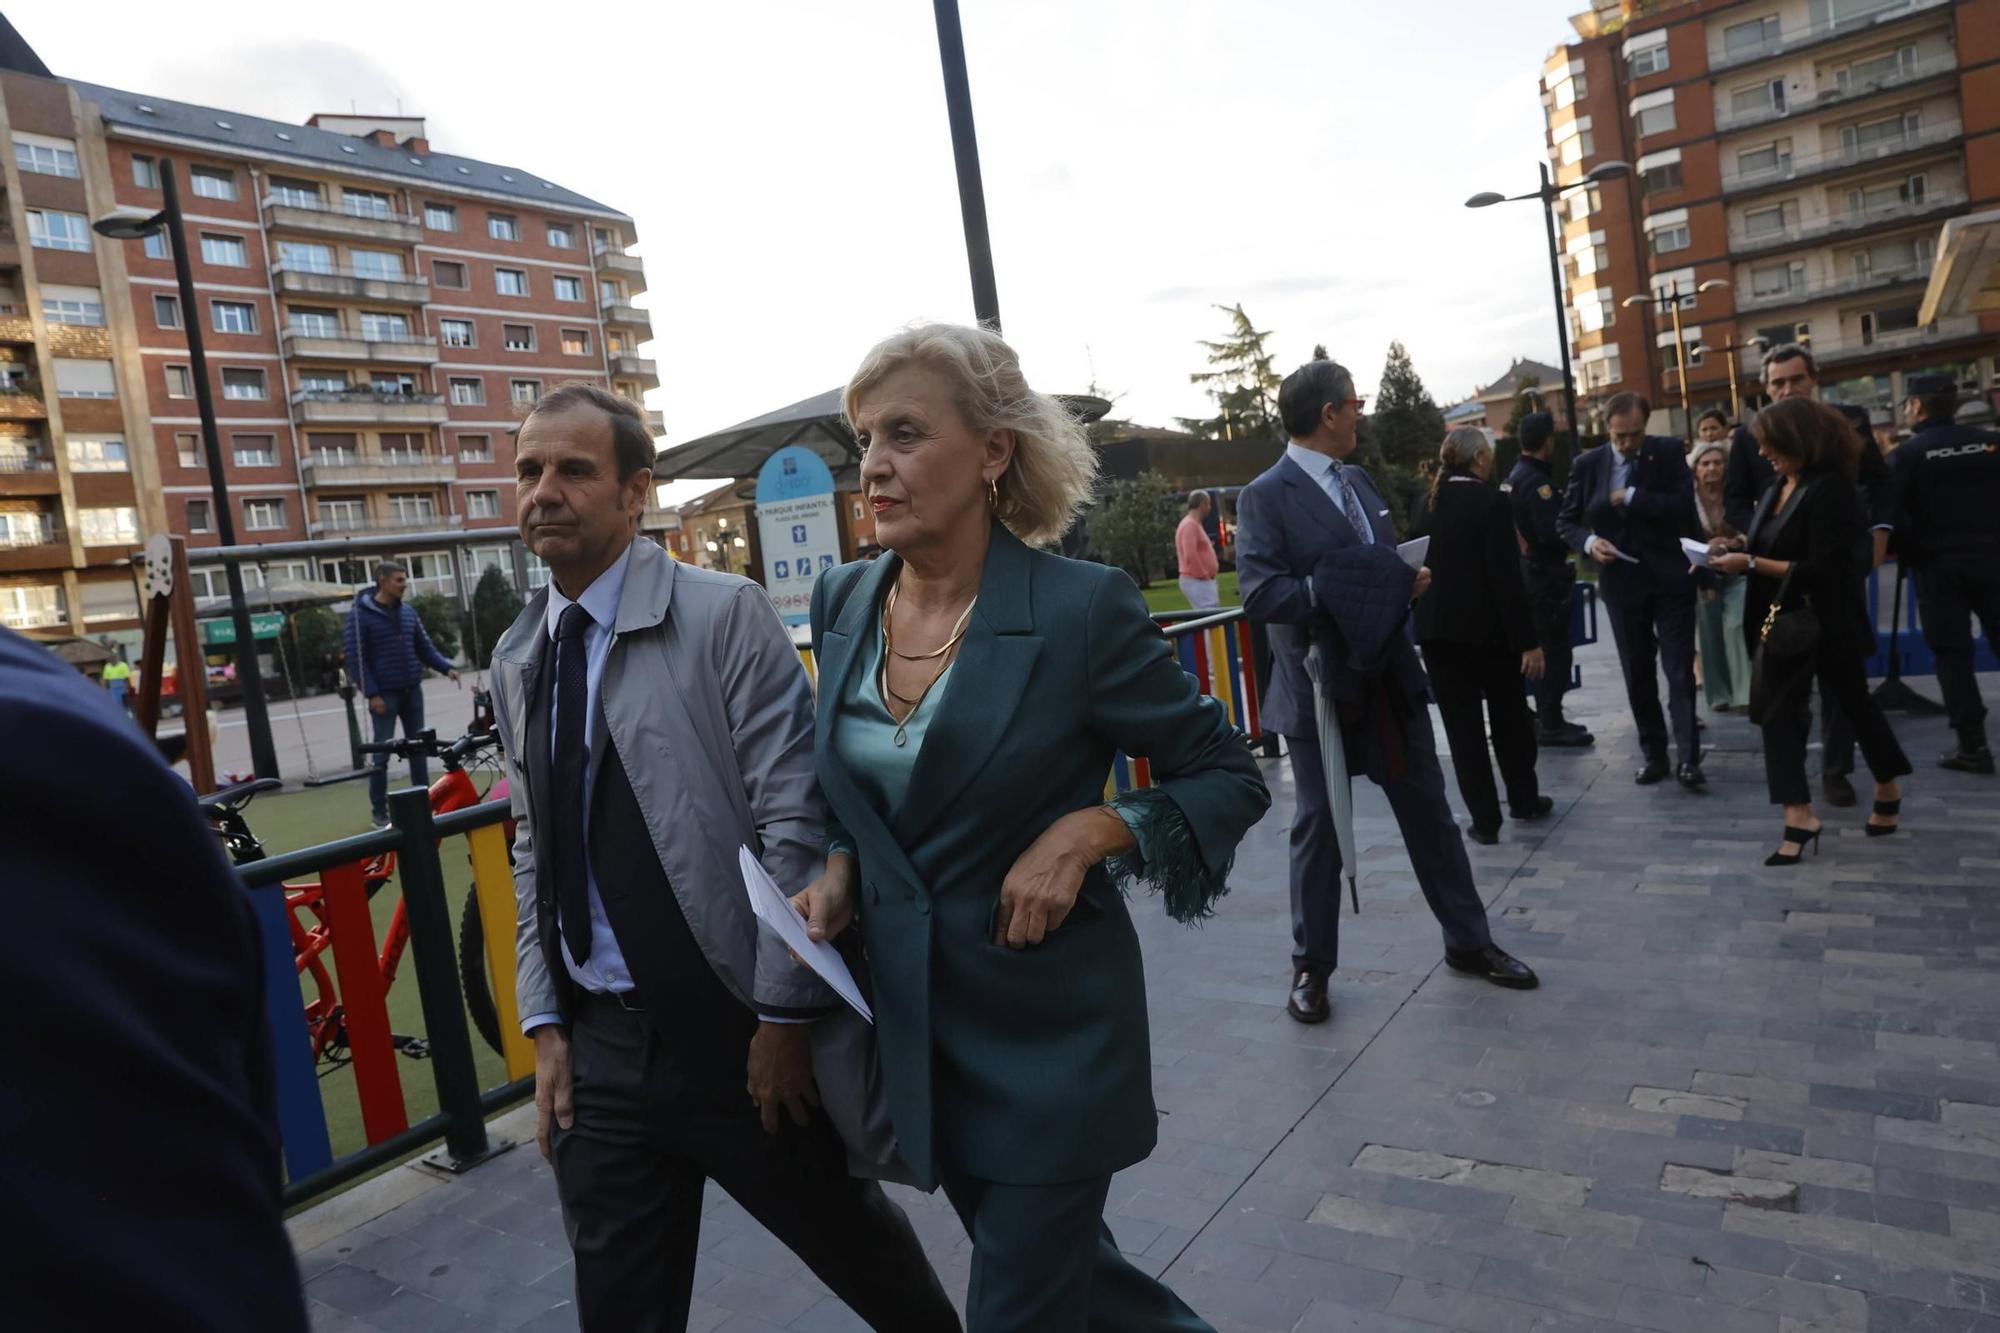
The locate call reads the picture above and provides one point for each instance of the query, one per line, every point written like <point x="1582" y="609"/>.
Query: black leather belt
<point x="628" y="1000"/>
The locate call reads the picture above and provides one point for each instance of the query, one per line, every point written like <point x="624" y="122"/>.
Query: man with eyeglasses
<point x="1791" y="372"/>
<point x="1627" y="506"/>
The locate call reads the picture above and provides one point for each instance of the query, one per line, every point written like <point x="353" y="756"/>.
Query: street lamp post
<point x="1730" y="349"/>
<point x="1547" y="194"/>
<point x="128" y="224"/>
<point x="965" y="153"/>
<point x="1671" y="298"/>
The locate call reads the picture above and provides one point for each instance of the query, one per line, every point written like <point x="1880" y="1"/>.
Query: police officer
<point x="1546" y="569"/>
<point x="1947" y="492"/>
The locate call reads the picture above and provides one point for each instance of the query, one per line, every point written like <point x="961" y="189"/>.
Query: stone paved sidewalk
<point x="1743" y="1100"/>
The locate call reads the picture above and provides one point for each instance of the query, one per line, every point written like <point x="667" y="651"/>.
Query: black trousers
<point x="1431" y="836"/>
<point x="1949" y="594"/>
<point x="1464" y="676"/>
<point x="1843" y="683"/>
<point x="649" y="1132"/>
<point x="1654" y="631"/>
<point x="1550" y="591"/>
<point x="1043" y="1261"/>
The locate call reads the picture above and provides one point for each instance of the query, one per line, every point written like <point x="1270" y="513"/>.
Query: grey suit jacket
<point x="711" y="713"/>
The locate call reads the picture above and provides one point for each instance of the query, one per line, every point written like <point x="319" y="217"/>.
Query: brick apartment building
<point x="376" y="315"/>
<point x="1805" y="152"/>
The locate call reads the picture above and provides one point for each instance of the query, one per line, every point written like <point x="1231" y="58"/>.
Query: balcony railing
<point x="38" y="617"/>
<point x="1847" y="220"/>
<point x="336" y="526"/>
<point x="624" y="312"/>
<point x="18" y="403"/>
<point x="1797" y="292"/>
<point x="1792" y="168"/>
<point x="1826" y="98"/>
<point x="1834" y="350"/>
<point x="1798" y="38"/>
<point x="44" y="533"/>
<point x="327" y="280"/>
<point x="340" y="469"/>
<point x="365" y="396"/>
<point x="372" y="224"/>
<point x="348" y="345"/>
<point x="26" y="463"/>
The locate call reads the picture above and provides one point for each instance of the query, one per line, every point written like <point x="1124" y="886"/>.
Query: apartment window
<point x="112" y="599"/>
<point x="1590" y="259"/>
<point x="84" y="379"/>
<point x="482" y="504"/>
<point x="503" y="227"/>
<point x="1670" y="238"/>
<point x="212" y="182"/>
<point x="441" y="217"/>
<point x="524" y="392"/>
<point x="97" y="453"/>
<point x="1602" y="372"/>
<point x="611" y="290"/>
<point x="1898" y="257"/>
<point x="53" y="230"/>
<point x="255" y="450"/>
<point x="1763" y="98"/>
<point x="468" y="391"/>
<point x="383" y="264"/>
<point x="145" y="172"/>
<point x="412" y="507"/>
<point x="112" y="526"/>
<point x="343" y="514"/>
<point x="510" y="281"/>
<point x="1882" y="195"/>
<point x="1877" y="71"/>
<point x="518" y="337"/>
<point x="233" y="316"/>
<point x="1567" y="90"/>
<point x="456" y="332"/>
<point x="332" y="450"/>
<point x="365" y="203"/>
<point x="180" y="382"/>
<point x="1652" y="60"/>
<point x="1585" y="202"/>
<point x="1894" y="319"/>
<point x="45" y="156"/>
<point x="315" y="323"/>
<point x="1876" y="133"/>
<point x="562" y="238"/>
<point x="167" y="312"/>
<point x="33" y="606"/>
<point x="568" y="289"/>
<point x="1786" y="333"/>
<point x="1774" y="280"/>
<point x="475" y="448"/>
<point x="576" y="342"/>
<point x="289" y="192"/>
<point x="379" y="327"/>
<point x="1666" y="176"/>
<point x="1771" y="159"/>
<point x="242" y="383"/>
<point x="157" y="246"/>
<point x="1595" y="310"/>
<point x="1741" y="40"/>
<point x="323" y="381"/>
<point x="264" y="515"/>
<point x="188" y="450"/>
<point x="1772" y="221"/>
<point x="1577" y="147"/>
<point x="225" y="251"/>
<point x="1655" y="119"/>
<point x="403" y="447"/>
<point x="448" y="273"/>
<point x="72" y="305"/>
<point x="305" y="257"/>
<point x="392" y="384"/>
<point x="616" y="343"/>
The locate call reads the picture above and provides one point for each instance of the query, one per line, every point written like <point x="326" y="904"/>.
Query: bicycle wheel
<point x="472" y="974"/>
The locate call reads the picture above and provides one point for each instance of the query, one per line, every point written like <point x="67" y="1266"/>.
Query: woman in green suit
<point x="972" y="692"/>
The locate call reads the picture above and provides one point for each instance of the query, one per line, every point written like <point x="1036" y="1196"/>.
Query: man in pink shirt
<point x="1196" y="554"/>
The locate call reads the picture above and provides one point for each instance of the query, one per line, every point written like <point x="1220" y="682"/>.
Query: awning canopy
<point x="1965" y="280"/>
<point x="279" y="595"/>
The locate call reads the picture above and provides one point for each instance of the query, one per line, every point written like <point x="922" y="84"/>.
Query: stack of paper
<point x="775" y="910"/>
<point x="1697" y="552"/>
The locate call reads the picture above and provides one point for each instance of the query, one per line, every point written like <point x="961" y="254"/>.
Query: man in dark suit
<point x="657" y="720"/>
<point x="139" y="1157"/>
<point x="1627" y="506"/>
<point x="1791" y="372"/>
<point x="1316" y="561"/>
<point x="1547" y="573"/>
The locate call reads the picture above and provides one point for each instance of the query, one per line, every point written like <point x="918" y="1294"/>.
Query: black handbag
<point x="1785" y="646"/>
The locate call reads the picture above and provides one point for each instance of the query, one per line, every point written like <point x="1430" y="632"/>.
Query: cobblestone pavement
<point x="1743" y="1100"/>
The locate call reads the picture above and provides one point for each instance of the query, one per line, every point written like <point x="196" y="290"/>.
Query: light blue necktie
<point x="1350" y="504"/>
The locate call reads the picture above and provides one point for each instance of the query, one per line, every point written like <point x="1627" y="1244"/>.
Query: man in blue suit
<point x="1628" y="505"/>
<point x="1316" y="561"/>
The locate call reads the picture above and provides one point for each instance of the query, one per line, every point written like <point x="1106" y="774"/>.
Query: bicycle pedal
<point x="417" y="1048"/>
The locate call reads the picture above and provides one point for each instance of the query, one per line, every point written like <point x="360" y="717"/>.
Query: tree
<point x="495" y="606"/>
<point x="1407" y="423"/>
<point x="1242" y="383"/>
<point x="440" y="620"/>
<point x="1135" y="526"/>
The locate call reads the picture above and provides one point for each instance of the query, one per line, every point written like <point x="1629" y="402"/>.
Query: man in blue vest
<point x="387" y="651"/>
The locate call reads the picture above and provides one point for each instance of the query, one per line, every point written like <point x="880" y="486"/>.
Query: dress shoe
<point x="1541" y="807"/>
<point x="1484" y="837"/>
<point x="1308" y="1003"/>
<point x="1691" y="777"/>
<point x="1656" y="770"/>
<point x="1839" y="791"/>
<point x="1494" y="964"/>
<point x="1571" y="734"/>
<point x="1963" y="760"/>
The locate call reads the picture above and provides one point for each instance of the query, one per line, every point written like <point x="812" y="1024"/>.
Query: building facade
<point x="377" y="318"/>
<point x="1792" y="163"/>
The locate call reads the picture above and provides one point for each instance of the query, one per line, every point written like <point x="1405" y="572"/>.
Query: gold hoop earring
<point x="992" y="492"/>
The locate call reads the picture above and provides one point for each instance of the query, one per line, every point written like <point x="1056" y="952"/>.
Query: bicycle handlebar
<point x="425" y="744"/>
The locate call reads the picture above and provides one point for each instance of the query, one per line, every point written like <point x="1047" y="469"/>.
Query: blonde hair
<point x="1460" y="450"/>
<point x="1050" y="476"/>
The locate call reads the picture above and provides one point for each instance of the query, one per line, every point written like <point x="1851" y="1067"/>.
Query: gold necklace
<point x="957" y="630"/>
<point x="902" y="736"/>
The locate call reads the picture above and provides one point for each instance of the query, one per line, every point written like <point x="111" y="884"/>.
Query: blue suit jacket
<point x="1649" y="528"/>
<point x="1298" y="560"/>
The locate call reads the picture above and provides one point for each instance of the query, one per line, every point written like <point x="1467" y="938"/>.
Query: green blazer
<point x="1027" y="1066"/>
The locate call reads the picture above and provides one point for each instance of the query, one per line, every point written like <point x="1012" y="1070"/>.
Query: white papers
<point x="1696" y="552"/>
<point x="775" y="910"/>
<point x="1414" y="551"/>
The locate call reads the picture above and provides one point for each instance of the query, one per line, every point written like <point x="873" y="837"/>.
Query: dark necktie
<point x="1351" y="503"/>
<point x="572" y="699"/>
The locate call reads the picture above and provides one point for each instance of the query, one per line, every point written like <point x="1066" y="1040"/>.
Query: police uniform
<point x="1550" y="579"/>
<point x="1947" y="493"/>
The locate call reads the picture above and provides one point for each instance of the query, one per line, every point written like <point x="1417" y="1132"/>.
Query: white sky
<point x="789" y="166"/>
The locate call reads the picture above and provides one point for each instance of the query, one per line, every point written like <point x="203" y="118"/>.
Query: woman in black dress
<point x="1478" y="635"/>
<point x="1808" y="545"/>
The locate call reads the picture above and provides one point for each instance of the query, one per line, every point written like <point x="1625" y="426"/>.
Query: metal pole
<point x="965" y="152"/>
<point x="1735" y="399"/>
<point x="249" y="675"/>
<point x="1562" y="314"/>
<point x="1680" y="361"/>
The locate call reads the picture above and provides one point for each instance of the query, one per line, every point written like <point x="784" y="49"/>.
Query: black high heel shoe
<point x="1801" y="836"/>
<point x="1884" y="808"/>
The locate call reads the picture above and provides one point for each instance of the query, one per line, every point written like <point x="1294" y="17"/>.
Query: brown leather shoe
<point x="1308" y="1003"/>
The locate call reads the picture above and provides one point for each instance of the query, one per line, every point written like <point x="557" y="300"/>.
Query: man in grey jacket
<point x="656" y="718"/>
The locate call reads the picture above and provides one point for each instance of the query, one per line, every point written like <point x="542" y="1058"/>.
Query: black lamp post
<point x="965" y="153"/>
<point x="1547" y="195"/>
<point x="131" y="224"/>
